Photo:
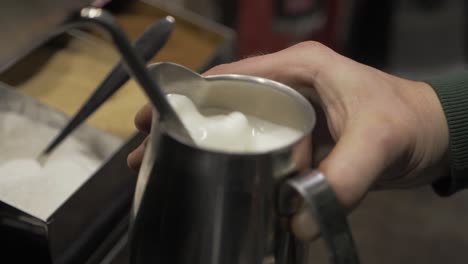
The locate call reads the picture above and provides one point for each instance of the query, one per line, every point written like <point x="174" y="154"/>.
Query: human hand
<point x="374" y="130"/>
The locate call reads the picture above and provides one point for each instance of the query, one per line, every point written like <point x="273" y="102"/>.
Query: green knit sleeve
<point x="452" y="91"/>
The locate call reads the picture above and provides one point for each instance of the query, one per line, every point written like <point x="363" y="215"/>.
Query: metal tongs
<point x="149" y="43"/>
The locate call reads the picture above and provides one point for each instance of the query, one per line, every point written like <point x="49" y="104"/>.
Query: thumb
<point x="362" y="154"/>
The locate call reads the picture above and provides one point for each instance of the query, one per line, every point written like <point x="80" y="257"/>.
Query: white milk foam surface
<point x="231" y="131"/>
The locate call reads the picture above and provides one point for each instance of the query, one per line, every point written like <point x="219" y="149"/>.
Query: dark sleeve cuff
<point x="452" y="91"/>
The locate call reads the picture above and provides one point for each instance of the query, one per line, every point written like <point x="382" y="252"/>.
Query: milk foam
<point x="231" y="131"/>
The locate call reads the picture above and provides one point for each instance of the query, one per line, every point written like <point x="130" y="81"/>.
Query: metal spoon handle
<point x="133" y="62"/>
<point x="147" y="45"/>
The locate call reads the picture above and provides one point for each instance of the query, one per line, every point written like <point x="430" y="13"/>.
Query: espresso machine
<point x="190" y="205"/>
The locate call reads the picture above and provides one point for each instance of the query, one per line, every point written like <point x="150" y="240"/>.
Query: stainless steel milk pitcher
<point x="198" y="206"/>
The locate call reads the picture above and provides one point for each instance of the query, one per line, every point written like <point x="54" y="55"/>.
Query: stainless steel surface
<point x="25" y="24"/>
<point x="149" y="43"/>
<point x="325" y="208"/>
<point x="199" y="206"/>
<point x="71" y="233"/>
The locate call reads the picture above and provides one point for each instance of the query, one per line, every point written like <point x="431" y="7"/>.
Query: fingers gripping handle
<point x="329" y="215"/>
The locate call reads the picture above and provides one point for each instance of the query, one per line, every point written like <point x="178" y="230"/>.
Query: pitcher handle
<point x="328" y="214"/>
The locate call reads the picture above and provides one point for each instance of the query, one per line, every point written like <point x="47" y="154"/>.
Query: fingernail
<point x="135" y="158"/>
<point x="304" y="226"/>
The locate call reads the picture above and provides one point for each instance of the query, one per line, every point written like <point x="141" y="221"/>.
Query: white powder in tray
<point x="24" y="184"/>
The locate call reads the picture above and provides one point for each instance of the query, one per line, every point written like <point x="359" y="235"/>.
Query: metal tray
<point x="81" y="223"/>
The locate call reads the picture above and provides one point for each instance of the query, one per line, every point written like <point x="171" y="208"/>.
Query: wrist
<point x="431" y="148"/>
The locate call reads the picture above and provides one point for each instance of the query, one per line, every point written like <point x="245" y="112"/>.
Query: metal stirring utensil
<point x="133" y="63"/>
<point x="147" y="45"/>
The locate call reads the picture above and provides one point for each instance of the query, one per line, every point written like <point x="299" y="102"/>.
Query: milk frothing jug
<point x="199" y="206"/>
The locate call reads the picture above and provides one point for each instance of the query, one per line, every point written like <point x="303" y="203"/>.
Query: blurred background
<point x="408" y="37"/>
<point x="416" y="39"/>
